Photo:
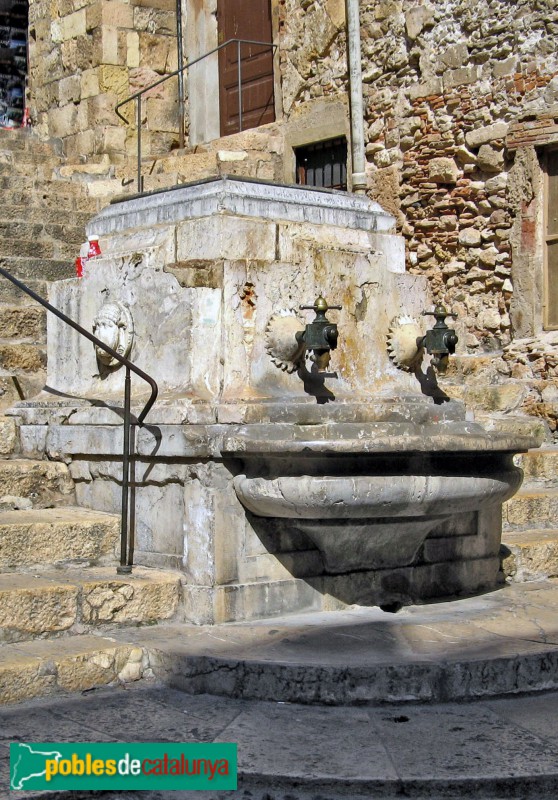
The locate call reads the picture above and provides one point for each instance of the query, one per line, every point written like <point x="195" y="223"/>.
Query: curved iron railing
<point x="127" y="532"/>
<point x="179" y="72"/>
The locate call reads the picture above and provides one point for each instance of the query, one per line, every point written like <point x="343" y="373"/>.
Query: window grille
<point x="323" y="164"/>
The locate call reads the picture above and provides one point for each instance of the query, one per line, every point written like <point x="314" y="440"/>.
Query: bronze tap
<point x="320" y="335"/>
<point x="440" y="340"/>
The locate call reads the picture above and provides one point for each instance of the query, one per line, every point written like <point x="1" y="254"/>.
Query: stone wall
<point x="87" y="55"/>
<point x="460" y="97"/>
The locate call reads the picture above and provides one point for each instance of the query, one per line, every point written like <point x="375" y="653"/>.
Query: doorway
<point x="249" y="66"/>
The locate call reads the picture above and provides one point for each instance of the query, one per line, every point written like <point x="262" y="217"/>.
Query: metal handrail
<point x="127" y="534"/>
<point x="179" y="72"/>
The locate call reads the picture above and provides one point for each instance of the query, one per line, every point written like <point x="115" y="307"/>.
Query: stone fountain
<point x="275" y="474"/>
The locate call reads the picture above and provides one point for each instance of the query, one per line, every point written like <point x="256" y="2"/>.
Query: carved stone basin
<point x="368" y="495"/>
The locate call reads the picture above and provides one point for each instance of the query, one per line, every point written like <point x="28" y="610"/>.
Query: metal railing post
<point x="125" y="565"/>
<point x="127" y="522"/>
<point x="239" y="68"/>
<point x="140" y="182"/>
<point x="179" y="72"/>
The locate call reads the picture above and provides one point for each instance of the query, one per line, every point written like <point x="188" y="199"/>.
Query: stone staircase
<point x="60" y="596"/>
<point x="42" y="224"/>
<point x="530" y="520"/>
<point x="255" y="153"/>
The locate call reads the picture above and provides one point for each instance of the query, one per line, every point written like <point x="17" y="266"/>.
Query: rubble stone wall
<point x="460" y="98"/>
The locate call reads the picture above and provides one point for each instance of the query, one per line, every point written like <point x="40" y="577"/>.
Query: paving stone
<point x="503" y="642"/>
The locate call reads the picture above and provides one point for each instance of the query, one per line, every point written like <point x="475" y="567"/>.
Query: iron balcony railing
<point x="127" y="521"/>
<point x="180" y="74"/>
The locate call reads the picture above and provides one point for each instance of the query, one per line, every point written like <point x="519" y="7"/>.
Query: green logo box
<point x="118" y="765"/>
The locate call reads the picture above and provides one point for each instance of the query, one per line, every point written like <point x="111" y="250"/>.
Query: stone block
<point x="33" y="606"/>
<point x="162" y="115"/>
<point x="89" y="83"/>
<point x="112" y="13"/>
<point x="113" y="80"/>
<point x="147" y="596"/>
<point x="226" y="237"/>
<point x="455" y="56"/>
<point x="109" y="48"/>
<point x="100" y="110"/>
<point x="431" y="87"/>
<point x="460" y="77"/>
<point x="157" y="21"/>
<point x="44" y="482"/>
<point x="470" y="237"/>
<point x="539" y="465"/>
<point x="490" y="159"/>
<point x="155" y="52"/>
<point x="416" y="19"/>
<point x="63" y="121"/>
<point x="8" y="435"/>
<point x="443" y="170"/>
<point x="80" y="144"/>
<point x="132" y="50"/>
<point x="69" y="89"/>
<point x="479" y="136"/>
<point x="25" y="357"/>
<point x="532" y="508"/>
<point x="23" y="322"/>
<point x="530" y="555"/>
<point x="36" y="538"/>
<point x="73" y="25"/>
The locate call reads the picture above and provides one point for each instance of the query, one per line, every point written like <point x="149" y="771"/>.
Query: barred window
<point x="323" y="164"/>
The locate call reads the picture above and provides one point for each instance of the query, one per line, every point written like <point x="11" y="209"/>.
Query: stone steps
<point x="24" y="322"/>
<point x="25" y="267"/>
<point x="530" y="555"/>
<point x="529" y="519"/>
<point x="58" y="197"/>
<point x="17" y="356"/>
<point x="500" y="643"/>
<point x="25" y="142"/>
<point x="41" y="232"/>
<point x="42" y="483"/>
<point x="11" y="295"/>
<point x="254" y="153"/>
<point x="75" y="664"/>
<point x="57" y="536"/>
<point x="31" y="248"/>
<point x="532" y="508"/>
<point x="488" y="750"/>
<point x="45" y="216"/>
<point x="539" y="466"/>
<point x="74" y="601"/>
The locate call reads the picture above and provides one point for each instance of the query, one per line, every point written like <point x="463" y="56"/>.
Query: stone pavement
<point x="438" y="702"/>
<point x="504" y="748"/>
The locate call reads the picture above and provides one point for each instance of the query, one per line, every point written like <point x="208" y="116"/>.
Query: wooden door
<point x="245" y="19"/>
